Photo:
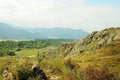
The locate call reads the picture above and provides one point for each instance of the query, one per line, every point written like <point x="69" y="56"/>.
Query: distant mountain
<point x="59" y="33"/>
<point x="10" y="32"/>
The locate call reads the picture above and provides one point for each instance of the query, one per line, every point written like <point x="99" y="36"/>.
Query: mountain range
<point x="9" y="32"/>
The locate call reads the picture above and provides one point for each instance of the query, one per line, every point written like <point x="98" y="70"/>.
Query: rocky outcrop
<point x="8" y="75"/>
<point x="89" y="44"/>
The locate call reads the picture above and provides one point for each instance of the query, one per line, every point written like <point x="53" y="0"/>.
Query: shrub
<point x="11" y="53"/>
<point x="69" y="64"/>
<point x="7" y="52"/>
<point x="24" y="74"/>
<point x="91" y="73"/>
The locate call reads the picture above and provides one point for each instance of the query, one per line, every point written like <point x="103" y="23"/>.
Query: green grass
<point x="0" y="77"/>
<point x="29" y="52"/>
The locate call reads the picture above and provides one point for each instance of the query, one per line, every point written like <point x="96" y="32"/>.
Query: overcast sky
<point x="88" y="15"/>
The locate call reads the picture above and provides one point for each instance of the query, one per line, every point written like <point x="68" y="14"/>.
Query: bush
<point x="5" y="52"/>
<point x="91" y="73"/>
<point x="69" y="64"/>
<point x="24" y="74"/>
<point x="11" y="53"/>
<point x="17" y="49"/>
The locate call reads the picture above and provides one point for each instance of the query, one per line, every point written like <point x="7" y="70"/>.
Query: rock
<point x="10" y="76"/>
<point x="7" y="75"/>
<point x="92" y="42"/>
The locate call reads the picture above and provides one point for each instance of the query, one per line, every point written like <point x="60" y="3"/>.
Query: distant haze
<point x="89" y="15"/>
<point x="9" y="32"/>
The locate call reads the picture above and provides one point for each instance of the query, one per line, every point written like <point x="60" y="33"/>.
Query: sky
<point x="89" y="15"/>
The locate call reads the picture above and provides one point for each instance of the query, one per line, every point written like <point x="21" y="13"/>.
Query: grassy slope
<point x="108" y="56"/>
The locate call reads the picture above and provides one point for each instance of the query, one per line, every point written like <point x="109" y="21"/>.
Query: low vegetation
<point x="101" y="63"/>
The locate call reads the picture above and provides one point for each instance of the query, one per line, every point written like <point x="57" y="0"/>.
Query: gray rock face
<point x="93" y="41"/>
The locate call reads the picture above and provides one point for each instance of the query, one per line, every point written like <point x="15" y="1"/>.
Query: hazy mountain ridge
<point x="9" y="32"/>
<point x="64" y="33"/>
<point x="89" y="44"/>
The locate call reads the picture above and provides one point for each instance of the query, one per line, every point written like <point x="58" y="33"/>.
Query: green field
<point x="29" y="52"/>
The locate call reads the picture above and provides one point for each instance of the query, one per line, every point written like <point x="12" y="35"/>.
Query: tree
<point x="11" y="53"/>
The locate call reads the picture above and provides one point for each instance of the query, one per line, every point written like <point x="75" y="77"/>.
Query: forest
<point x="10" y="46"/>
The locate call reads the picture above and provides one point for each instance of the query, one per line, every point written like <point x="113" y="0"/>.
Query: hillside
<point x="89" y="44"/>
<point x="10" y="32"/>
<point x="95" y="55"/>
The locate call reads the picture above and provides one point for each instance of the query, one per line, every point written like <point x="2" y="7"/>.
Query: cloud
<point x="59" y="13"/>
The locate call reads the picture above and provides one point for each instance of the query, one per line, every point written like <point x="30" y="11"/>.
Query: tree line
<point x="9" y="47"/>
